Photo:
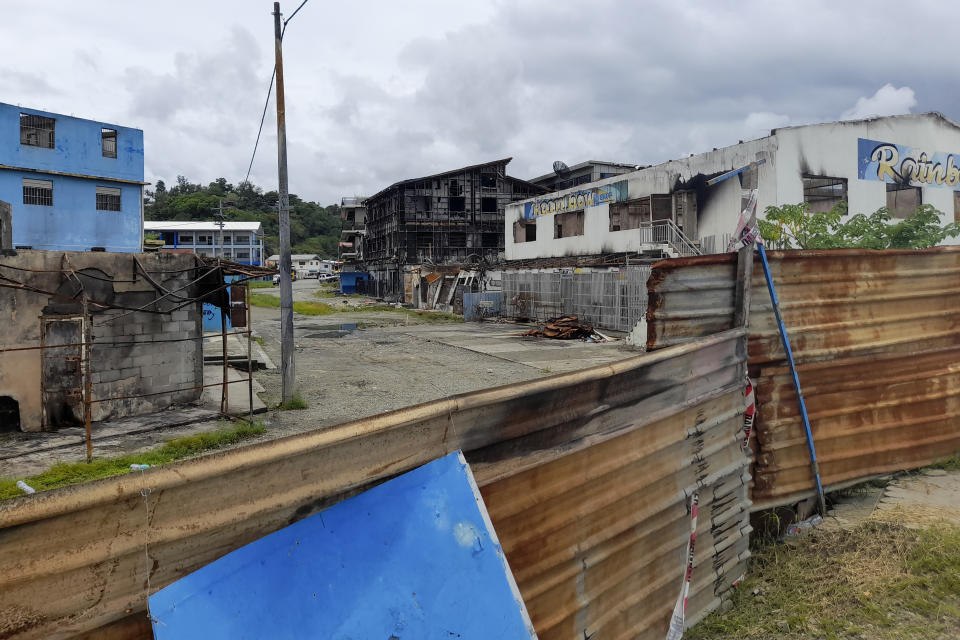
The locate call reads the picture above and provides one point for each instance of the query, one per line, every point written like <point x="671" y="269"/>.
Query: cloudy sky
<point x="379" y="91"/>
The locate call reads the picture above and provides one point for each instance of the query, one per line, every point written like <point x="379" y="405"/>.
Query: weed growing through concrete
<point x="294" y="403"/>
<point x="64" y="474"/>
<point x="878" y="580"/>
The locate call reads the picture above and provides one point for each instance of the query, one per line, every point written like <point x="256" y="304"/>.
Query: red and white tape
<point x="675" y="632"/>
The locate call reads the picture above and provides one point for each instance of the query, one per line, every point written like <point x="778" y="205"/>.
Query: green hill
<point x="313" y="228"/>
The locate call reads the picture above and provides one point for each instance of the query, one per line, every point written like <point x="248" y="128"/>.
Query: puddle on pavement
<point x="332" y="330"/>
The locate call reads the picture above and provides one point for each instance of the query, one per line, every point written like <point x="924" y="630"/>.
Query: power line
<point x="266" y="102"/>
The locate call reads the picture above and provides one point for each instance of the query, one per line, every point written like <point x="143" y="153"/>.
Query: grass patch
<point x="264" y="300"/>
<point x="329" y="293"/>
<point x="950" y="464"/>
<point x="293" y="404"/>
<point x="304" y="308"/>
<point x="68" y="473"/>
<point x="878" y="580"/>
<point x="260" y="284"/>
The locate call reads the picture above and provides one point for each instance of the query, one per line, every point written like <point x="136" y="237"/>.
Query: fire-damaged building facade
<point x="686" y="206"/>
<point x="450" y="218"/>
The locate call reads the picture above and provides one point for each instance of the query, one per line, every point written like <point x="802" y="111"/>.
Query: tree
<point x="313" y="227"/>
<point x="794" y="226"/>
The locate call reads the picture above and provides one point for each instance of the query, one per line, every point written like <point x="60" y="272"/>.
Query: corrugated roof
<point x="198" y="225"/>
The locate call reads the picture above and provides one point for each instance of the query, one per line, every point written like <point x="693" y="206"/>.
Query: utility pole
<point x="287" y="365"/>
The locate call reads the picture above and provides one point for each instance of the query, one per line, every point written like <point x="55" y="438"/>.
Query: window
<point x="241" y="238"/>
<point x="490" y="240"/>
<point x="458" y="205"/>
<point x="823" y="193"/>
<point x="186" y="238"/>
<point x="38" y="192"/>
<point x="108" y="199"/>
<point x="488" y="205"/>
<point x="566" y="225"/>
<point x="631" y="214"/>
<point x="524" y="231"/>
<point x="242" y="254"/>
<point x="902" y="200"/>
<point x="458" y="239"/>
<point x="108" y="142"/>
<point x="36" y="131"/>
<point x="227" y="239"/>
<point x="455" y="188"/>
<point x="488" y="181"/>
<point x="204" y="239"/>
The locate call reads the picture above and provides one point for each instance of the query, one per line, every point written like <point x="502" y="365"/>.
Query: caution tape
<point x="675" y="632"/>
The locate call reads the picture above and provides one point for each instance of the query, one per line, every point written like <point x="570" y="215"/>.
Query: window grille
<point x="108" y="199"/>
<point x="37" y="131"/>
<point x="38" y="192"/>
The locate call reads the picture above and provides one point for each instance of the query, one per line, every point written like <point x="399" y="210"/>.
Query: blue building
<point x="74" y="184"/>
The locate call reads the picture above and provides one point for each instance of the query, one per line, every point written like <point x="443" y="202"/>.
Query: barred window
<point x="108" y="199"/>
<point x="36" y="131"/>
<point x="38" y="192"/>
<point x="108" y="142"/>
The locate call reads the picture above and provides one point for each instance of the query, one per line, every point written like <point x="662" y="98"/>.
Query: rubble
<point x="564" y="328"/>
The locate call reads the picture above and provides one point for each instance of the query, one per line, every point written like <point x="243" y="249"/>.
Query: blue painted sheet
<point x="413" y="558"/>
<point x="477" y="306"/>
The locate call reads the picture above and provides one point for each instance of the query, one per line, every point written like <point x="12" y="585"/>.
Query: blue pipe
<point x="814" y="466"/>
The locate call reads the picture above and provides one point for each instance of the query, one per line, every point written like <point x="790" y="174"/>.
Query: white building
<point x="236" y="241"/>
<point x="897" y="162"/>
<point x="306" y="264"/>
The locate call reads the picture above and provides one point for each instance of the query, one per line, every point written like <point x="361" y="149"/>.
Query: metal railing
<point x="667" y="232"/>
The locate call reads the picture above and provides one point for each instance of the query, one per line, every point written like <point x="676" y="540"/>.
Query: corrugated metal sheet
<point x="688" y="298"/>
<point x="586" y="476"/>
<point x="876" y="337"/>
<point x="486" y="304"/>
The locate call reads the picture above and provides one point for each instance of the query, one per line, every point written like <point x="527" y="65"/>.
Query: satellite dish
<point x="560" y="168"/>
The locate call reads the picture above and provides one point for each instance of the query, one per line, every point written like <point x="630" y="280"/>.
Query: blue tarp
<point x="349" y="280"/>
<point x="415" y="557"/>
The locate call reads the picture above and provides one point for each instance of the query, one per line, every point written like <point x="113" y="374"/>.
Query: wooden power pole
<point x="287" y="365"/>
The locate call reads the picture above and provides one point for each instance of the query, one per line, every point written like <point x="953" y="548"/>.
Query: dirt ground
<point x="394" y="360"/>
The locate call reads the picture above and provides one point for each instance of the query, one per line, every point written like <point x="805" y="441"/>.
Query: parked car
<point x="328" y="277"/>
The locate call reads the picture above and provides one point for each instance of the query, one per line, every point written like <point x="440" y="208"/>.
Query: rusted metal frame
<point x="87" y="383"/>
<point x="814" y="466"/>
<point x="160" y="393"/>
<point x="113" y="344"/>
<point x="225" y="394"/>
<point x="246" y="288"/>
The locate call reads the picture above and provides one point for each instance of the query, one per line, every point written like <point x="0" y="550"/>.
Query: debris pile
<point x="562" y="328"/>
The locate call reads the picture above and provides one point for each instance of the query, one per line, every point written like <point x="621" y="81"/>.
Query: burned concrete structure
<point x="684" y="207"/>
<point x="112" y="334"/>
<point x="449" y="218"/>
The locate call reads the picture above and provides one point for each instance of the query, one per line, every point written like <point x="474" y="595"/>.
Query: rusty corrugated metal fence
<point x="587" y="478"/>
<point x="876" y="338"/>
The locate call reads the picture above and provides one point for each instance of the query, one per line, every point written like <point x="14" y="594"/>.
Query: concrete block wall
<point x="159" y="357"/>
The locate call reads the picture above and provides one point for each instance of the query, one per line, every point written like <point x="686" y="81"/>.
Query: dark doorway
<point x="62" y="376"/>
<point x="9" y="414"/>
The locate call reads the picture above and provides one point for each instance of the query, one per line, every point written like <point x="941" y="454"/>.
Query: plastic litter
<point x="23" y="486"/>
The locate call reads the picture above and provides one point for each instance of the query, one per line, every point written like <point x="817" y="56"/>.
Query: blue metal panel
<point x="474" y="310"/>
<point x="415" y="557"/>
<point x="211" y="313"/>
<point x="349" y="280"/>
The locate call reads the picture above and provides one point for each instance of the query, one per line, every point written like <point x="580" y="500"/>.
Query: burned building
<point x="454" y="217"/>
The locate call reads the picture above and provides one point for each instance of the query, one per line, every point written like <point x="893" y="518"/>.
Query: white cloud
<point x="887" y="101"/>
<point x="759" y="123"/>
